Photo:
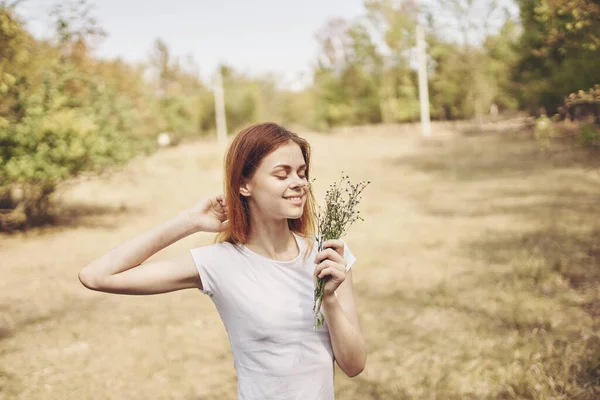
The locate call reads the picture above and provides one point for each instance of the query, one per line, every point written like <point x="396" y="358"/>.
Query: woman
<point x="260" y="272"/>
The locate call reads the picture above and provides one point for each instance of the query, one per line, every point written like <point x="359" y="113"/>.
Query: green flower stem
<point x="333" y="223"/>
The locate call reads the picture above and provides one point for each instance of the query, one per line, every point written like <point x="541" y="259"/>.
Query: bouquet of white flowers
<point x="333" y="222"/>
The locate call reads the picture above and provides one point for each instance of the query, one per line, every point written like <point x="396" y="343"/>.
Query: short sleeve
<point x="348" y="256"/>
<point x="202" y="259"/>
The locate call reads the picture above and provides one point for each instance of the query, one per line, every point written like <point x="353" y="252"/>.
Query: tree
<point x="558" y="52"/>
<point x="463" y="41"/>
<point x="569" y="24"/>
<point x="346" y="78"/>
<point x="76" y="30"/>
<point x="393" y="25"/>
<point x="57" y="121"/>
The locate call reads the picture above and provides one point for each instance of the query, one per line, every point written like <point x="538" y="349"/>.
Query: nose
<point x="299" y="182"/>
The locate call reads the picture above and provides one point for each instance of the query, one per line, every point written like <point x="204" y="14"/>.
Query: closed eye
<point x="285" y="177"/>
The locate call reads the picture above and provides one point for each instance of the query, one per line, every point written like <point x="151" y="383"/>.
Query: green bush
<point x="589" y="135"/>
<point x="57" y="137"/>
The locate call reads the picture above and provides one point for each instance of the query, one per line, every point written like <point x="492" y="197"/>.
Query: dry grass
<point x="477" y="278"/>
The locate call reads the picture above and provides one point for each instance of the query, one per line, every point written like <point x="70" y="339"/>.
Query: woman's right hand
<point x="210" y="215"/>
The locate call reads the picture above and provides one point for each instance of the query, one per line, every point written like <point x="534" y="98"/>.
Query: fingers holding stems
<point x="333" y="272"/>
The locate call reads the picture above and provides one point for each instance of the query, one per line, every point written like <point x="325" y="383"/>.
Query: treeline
<point x="64" y="112"/>
<point x="530" y="60"/>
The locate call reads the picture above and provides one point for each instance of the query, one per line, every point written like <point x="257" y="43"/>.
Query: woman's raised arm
<point x="122" y="270"/>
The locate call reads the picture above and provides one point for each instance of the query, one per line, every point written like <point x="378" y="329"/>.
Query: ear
<point x="244" y="188"/>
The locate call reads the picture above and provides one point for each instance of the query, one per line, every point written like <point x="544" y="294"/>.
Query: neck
<point x="272" y="239"/>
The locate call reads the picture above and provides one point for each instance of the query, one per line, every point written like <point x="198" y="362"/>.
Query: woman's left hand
<point x="330" y="262"/>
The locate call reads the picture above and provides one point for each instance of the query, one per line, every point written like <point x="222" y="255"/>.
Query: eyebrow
<point x="287" y="166"/>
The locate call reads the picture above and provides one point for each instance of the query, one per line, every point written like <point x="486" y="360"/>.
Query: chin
<point x="295" y="215"/>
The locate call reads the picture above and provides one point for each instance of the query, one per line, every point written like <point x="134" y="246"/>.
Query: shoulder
<point x="215" y="251"/>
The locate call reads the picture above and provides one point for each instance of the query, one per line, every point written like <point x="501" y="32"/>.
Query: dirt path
<point x="446" y="223"/>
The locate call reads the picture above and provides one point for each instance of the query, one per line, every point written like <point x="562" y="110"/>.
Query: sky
<point x="254" y="36"/>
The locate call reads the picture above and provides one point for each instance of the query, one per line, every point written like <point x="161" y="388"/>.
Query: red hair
<point x="243" y="156"/>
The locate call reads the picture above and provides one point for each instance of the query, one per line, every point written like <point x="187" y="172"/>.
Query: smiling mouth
<point x="295" y="200"/>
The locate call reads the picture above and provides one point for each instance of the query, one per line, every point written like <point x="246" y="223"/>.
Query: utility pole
<point x="423" y="84"/>
<point x="220" y="110"/>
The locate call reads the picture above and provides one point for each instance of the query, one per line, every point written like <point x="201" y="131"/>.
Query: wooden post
<point x="423" y="83"/>
<point x="220" y="110"/>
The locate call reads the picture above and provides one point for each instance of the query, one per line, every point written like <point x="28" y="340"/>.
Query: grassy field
<point x="477" y="275"/>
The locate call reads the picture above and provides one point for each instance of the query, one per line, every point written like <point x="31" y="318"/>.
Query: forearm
<point x="346" y="339"/>
<point x="138" y="249"/>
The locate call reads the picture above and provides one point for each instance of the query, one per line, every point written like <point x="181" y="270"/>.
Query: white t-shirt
<point x="266" y="307"/>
